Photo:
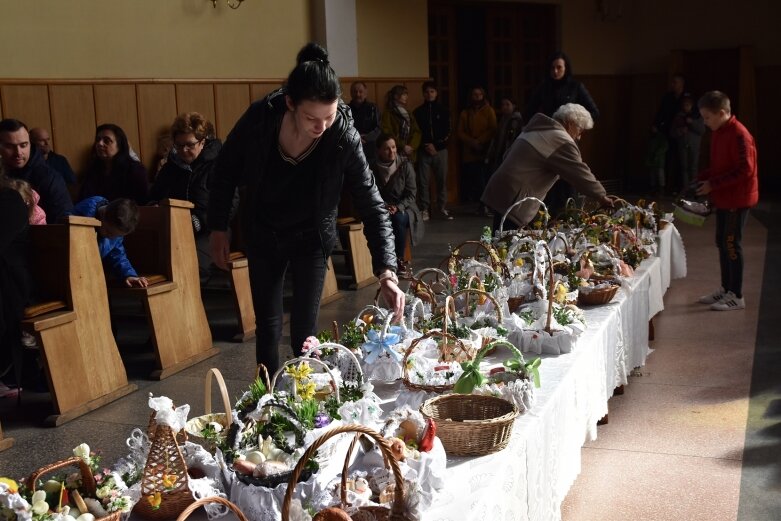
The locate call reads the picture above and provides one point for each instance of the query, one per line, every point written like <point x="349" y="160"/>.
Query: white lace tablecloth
<point x="672" y="254"/>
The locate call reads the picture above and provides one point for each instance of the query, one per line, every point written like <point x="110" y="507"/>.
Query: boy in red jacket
<point x="731" y="182"/>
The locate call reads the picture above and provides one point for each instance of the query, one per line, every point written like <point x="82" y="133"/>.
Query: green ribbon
<point x="470" y="379"/>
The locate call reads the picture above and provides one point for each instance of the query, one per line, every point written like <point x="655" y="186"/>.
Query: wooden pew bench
<point x="162" y="248"/>
<point x="71" y="323"/>
<point x="356" y="252"/>
<point x="5" y="443"/>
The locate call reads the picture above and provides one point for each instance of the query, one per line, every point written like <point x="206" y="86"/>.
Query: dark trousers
<point x="472" y="181"/>
<point x="729" y="238"/>
<point x="400" y="225"/>
<point x="556" y="198"/>
<point x="268" y="263"/>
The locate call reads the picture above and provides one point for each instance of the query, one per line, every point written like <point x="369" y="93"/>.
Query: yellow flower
<point x="299" y="373"/>
<point x="13" y="486"/>
<point x="519" y="262"/>
<point x="155" y="500"/>
<point x="306" y="391"/>
<point x="561" y="293"/>
<point x="169" y="480"/>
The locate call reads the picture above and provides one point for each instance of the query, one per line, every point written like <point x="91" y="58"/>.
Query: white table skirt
<point x="672" y="254"/>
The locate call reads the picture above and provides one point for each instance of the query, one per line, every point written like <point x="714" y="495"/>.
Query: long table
<point x="530" y="478"/>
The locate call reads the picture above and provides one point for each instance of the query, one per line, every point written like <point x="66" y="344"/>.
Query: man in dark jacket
<point x="22" y="160"/>
<point x="366" y="119"/>
<point x="59" y="163"/>
<point x="434" y="121"/>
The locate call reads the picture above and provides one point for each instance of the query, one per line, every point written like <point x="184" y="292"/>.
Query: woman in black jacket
<point x="291" y="153"/>
<point x="112" y="172"/>
<point x="187" y="173"/>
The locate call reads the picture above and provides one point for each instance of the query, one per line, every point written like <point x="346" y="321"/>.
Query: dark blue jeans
<point x="269" y="261"/>
<point x="729" y="238"/>
<point x="400" y="224"/>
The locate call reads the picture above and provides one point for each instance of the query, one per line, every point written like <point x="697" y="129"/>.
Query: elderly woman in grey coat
<point x="545" y="151"/>
<point x="395" y="179"/>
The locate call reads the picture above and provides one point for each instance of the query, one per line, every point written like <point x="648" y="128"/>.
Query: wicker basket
<point x="449" y="344"/>
<point x="195" y="425"/>
<point x="88" y="485"/>
<point x="320" y="396"/>
<point x="212" y="499"/>
<point x="380" y="513"/>
<point x="599" y="296"/>
<point x="273" y="481"/>
<point x="471" y="425"/>
<point x="164" y="460"/>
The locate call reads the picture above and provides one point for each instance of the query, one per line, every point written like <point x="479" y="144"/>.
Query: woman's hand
<point x="139" y="282"/>
<point x="219" y="248"/>
<point x="408" y="150"/>
<point x="392" y="209"/>
<point x="394" y="297"/>
<point x="704" y="188"/>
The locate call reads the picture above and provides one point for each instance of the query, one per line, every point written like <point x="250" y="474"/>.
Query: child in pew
<point x="29" y="196"/>
<point x="118" y="218"/>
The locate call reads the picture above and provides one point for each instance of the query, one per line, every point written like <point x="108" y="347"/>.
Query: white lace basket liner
<point x="384" y="367"/>
<point x="195" y="426"/>
<point x="342" y="359"/>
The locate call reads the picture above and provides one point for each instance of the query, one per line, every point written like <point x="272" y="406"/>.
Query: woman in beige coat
<point x="545" y="151"/>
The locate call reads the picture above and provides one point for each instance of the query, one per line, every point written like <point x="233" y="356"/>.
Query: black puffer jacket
<point x="55" y="199"/>
<point x="552" y="94"/>
<point x="243" y="159"/>
<point x="178" y="180"/>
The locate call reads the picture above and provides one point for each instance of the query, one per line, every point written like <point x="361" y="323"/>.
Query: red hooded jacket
<point x="733" y="167"/>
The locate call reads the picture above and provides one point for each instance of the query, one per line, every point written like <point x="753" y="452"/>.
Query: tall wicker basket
<point x="165" y="461"/>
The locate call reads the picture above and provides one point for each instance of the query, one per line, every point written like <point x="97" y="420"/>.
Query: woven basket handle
<point x="266" y="380"/>
<point x="518" y="203"/>
<point x="87" y="479"/>
<point x="375" y="310"/>
<point x="470" y="291"/>
<point x="309" y="360"/>
<point x="397" y="508"/>
<point x="213" y="499"/>
<point x="215" y="374"/>
<point x="416" y="305"/>
<point x="495" y="344"/>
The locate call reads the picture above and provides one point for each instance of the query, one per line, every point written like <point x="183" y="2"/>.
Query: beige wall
<point x="151" y="38"/>
<point x="392" y="38"/>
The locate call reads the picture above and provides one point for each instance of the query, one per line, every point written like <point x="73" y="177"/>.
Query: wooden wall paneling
<point x="346" y="90"/>
<point x="156" y="112"/>
<point x="27" y="103"/>
<point x="381" y="89"/>
<point x="230" y="102"/>
<point x="415" y="98"/>
<point x="73" y="122"/>
<point x="259" y="90"/>
<point x="117" y="104"/>
<point x="195" y="97"/>
<point x="768" y="116"/>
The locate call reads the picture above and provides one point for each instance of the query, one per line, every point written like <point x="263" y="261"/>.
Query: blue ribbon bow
<point x="375" y="345"/>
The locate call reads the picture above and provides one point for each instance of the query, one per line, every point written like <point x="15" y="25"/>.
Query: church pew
<point x="71" y="323"/>
<point x="163" y="248"/>
<point x="356" y="251"/>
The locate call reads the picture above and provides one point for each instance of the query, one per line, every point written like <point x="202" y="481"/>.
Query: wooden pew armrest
<point x="49" y="320"/>
<point x="152" y="289"/>
<point x="44" y="307"/>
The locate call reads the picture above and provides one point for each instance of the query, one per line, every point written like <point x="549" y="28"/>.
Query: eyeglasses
<point x="187" y="146"/>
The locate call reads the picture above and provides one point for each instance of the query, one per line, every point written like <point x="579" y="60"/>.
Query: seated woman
<point x="112" y="172"/>
<point x="395" y="179"/>
<point x="187" y="175"/>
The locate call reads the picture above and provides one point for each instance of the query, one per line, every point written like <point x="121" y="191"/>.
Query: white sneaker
<point x="729" y="302"/>
<point x="425" y="215"/>
<point x="446" y="215"/>
<point x="712" y="298"/>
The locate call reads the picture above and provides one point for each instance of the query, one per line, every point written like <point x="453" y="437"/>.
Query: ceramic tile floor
<point x="676" y="446"/>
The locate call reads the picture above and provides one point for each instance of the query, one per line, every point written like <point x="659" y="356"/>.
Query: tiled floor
<point x="674" y="446"/>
